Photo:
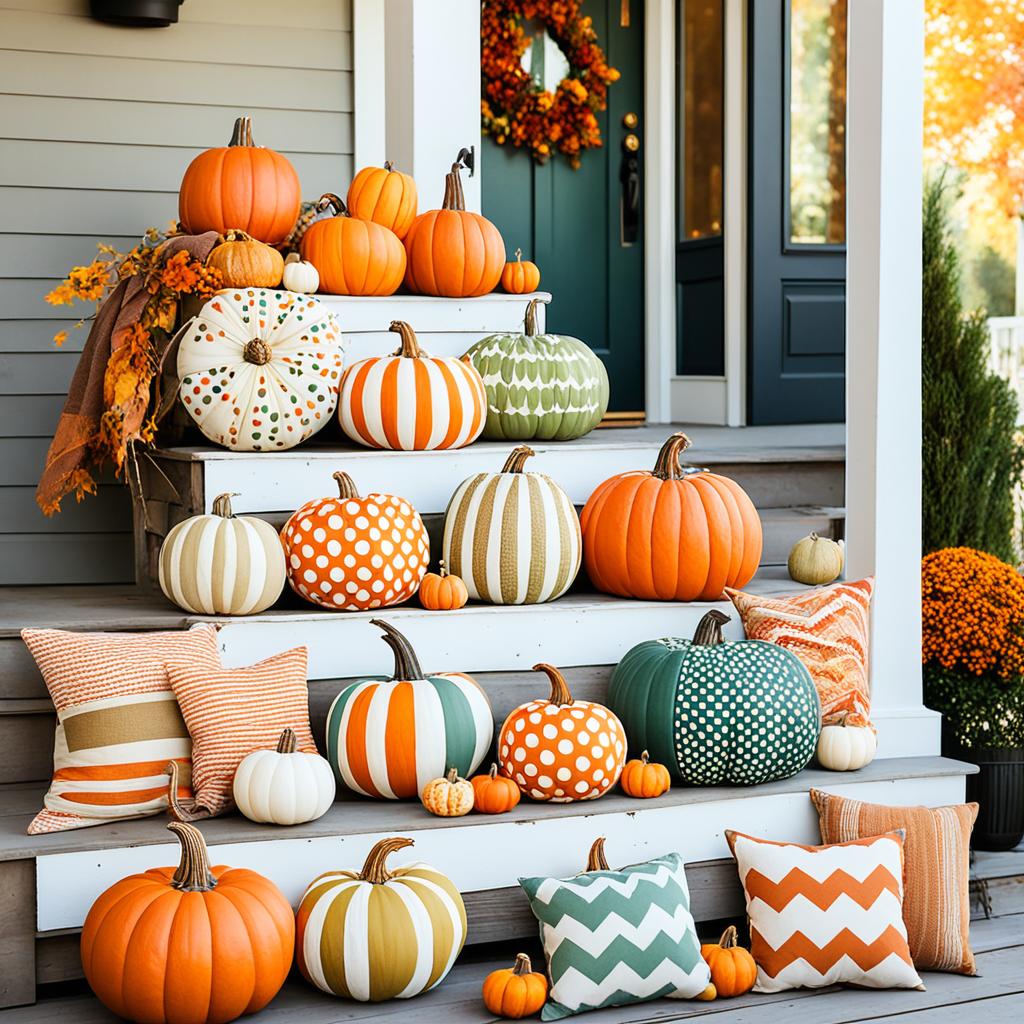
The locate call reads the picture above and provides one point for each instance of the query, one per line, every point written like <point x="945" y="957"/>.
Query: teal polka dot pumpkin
<point x="717" y="711"/>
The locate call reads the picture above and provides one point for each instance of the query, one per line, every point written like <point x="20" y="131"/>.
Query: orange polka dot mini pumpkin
<point x="562" y="749"/>
<point x="352" y="554"/>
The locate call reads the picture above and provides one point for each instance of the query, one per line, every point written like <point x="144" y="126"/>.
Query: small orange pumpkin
<point x="733" y="969"/>
<point x="385" y="196"/>
<point x="442" y="592"/>
<point x="517" y="991"/>
<point x="520" y="277"/>
<point x="352" y="256"/>
<point x="450" y="797"/>
<point x="244" y="262"/>
<point x="643" y="779"/>
<point x="494" y="793"/>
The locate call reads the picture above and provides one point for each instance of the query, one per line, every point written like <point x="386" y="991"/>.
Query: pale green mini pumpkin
<point x="544" y="387"/>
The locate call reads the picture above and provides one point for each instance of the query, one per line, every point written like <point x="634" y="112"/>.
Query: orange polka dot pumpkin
<point x="562" y="749"/>
<point x="352" y="554"/>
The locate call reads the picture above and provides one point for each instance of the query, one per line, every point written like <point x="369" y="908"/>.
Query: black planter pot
<point x="999" y="790"/>
<point x="137" y="13"/>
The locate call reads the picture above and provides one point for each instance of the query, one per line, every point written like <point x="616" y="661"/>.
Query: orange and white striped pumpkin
<point x="411" y="401"/>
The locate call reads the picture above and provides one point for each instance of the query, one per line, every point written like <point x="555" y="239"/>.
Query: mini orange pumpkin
<point x="494" y="793"/>
<point x="733" y="969"/>
<point x="520" y="277"/>
<point x="517" y="991"/>
<point x="442" y="592"/>
<point x="385" y="196"/>
<point x="450" y="797"/>
<point x="244" y="262"/>
<point x="352" y="256"/>
<point x="643" y="779"/>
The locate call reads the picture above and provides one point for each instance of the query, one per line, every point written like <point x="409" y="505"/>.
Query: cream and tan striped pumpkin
<point x="513" y="537"/>
<point x="220" y="564"/>
<point x="344" y="915"/>
<point x="411" y="401"/>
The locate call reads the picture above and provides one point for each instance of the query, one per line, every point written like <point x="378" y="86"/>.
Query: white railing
<point x="1006" y="353"/>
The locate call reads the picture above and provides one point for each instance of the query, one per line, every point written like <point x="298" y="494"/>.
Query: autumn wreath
<point x="516" y="109"/>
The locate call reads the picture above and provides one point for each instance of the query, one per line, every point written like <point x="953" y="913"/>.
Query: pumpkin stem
<point x="330" y="201"/>
<point x="517" y="459"/>
<point x="407" y="665"/>
<point x="346" y="485"/>
<point x="596" y="860"/>
<point x="522" y="965"/>
<point x="645" y="757"/>
<point x="493" y="773"/>
<point x="222" y="504"/>
<point x="256" y="352"/>
<point x="193" y="874"/>
<point x="241" y="135"/>
<point x="288" y="743"/>
<point x="730" y="938"/>
<point x="410" y="346"/>
<point x="709" y="630"/>
<point x="519" y="259"/>
<point x="442" y="569"/>
<point x="454" y="197"/>
<point x="452" y="776"/>
<point x="667" y="467"/>
<point x="174" y="806"/>
<point x="238" y="235"/>
<point x="293" y="257"/>
<point x="389" y="165"/>
<point x="374" y="868"/>
<point x="560" y="694"/>
<point x="530" y="321"/>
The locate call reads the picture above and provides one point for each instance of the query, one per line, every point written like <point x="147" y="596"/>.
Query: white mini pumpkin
<point x="284" y="786"/>
<point x="845" y="748"/>
<point x="815" y="560"/>
<point x="260" y="369"/>
<point x="300" y="275"/>
<point x="221" y="564"/>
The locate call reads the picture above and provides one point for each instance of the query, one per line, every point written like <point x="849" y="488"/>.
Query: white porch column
<point x="883" y="361"/>
<point x="432" y="91"/>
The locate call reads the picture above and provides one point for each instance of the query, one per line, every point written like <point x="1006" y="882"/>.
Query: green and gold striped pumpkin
<point x="222" y="565"/>
<point x="379" y="933"/>
<point x="513" y="537"/>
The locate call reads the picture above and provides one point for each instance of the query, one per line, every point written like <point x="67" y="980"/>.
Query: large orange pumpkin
<point x="354" y="553"/>
<point x="453" y="252"/>
<point x="385" y="196"/>
<point x="352" y="257"/>
<point x="674" y="534"/>
<point x="192" y="945"/>
<point x="562" y="749"/>
<point x="241" y="186"/>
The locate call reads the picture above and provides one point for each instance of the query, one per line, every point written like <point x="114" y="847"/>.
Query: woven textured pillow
<point x="232" y="712"/>
<point x="936" y="908"/>
<point x="118" y="723"/>
<point x="617" y="937"/>
<point x="825" y="915"/>
<point x="827" y="629"/>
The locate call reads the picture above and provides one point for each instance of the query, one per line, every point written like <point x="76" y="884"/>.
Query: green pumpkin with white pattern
<point x="717" y="711"/>
<point x="543" y="387"/>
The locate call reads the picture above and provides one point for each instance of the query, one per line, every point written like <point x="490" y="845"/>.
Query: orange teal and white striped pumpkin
<point x="390" y="737"/>
<point x="412" y="401"/>
<point x="221" y="564"/>
<point x="379" y="933"/>
<point x="513" y="537"/>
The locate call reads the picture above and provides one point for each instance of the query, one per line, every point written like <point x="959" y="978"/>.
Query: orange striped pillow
<point x="232" y="712"/>
<point x="937" y="910"/>
<point x="827" y="629"/>
<point x="118" y="723"/>
<point x="825" y="915"/>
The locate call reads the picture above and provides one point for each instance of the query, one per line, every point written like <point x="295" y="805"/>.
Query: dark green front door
<point x="577" y="225"/>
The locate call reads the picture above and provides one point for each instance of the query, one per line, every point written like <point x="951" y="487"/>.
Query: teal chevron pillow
<point x="617" y="937"/>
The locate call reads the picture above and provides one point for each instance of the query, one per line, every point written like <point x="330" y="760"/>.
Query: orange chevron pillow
<point x="827" y="629"/>
<point x="826" y="915"/>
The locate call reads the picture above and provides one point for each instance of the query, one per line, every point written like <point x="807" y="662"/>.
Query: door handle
<point x="629" y="178"/>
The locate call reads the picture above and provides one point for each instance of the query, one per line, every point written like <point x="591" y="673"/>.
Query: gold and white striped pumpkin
<point x="513" y="537"/>
<point x="411" y="401"/>
<point x="220" y="564"/>
<point x="345" y="917"/>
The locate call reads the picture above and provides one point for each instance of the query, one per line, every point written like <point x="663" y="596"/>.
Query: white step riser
<point x="485" y="855"/>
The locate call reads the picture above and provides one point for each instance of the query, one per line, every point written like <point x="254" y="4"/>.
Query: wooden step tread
<point x="352" y="815"/>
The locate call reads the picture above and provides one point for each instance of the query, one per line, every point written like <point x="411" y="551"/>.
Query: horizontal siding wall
<point x="97" y="125"/>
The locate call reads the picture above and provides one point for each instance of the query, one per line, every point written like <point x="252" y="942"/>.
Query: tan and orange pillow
<point x="118" y="724"/>
<point x="936" y="908"/>
<point x="232" y="712"/>
<point x="826" y="915"/>
<point x="827" y="628"/>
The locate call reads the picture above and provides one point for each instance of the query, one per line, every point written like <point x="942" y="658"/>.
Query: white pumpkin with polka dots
<point x="353" y="553"/>
<point x="562" y="749"/>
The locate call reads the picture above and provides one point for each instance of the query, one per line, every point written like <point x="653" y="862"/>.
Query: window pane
<point x="700" y="104"/>
<point x="817" y="125"/>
